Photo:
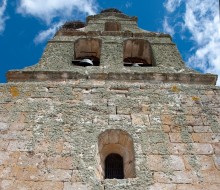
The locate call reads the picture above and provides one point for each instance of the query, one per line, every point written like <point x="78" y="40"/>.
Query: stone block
<point x="155" y="119"/>
<point x="177" y="148"/>
<point x="212" y="177"/>
<point x="25" y="173"/>
<point x="3" y="144"/>
<point x="3" y="126"/>
<point x="201" y="148"/>
<point x="167" y="120"/>
<point x="18" y="146"/>
<point x="45" y="185"/>
<point x="202" y="129"/>
<point x="75" y="186"/>
<point x="27" y="159"/>
<point x="199" y="162"/>
<point x="175" y="137"/>
<point x="4" y="156"/>
<point x="165" y="162"/>
<point x="216" y="147"/>
<point x="162" y="186"/>
<point x="145" y="108"/>
<point x="136" y="119"/>
<point x="59" y="162"/>
<point x="6" y="184"/>
<point x="203" y="186"/>
<point x="166" y="128"/>
<point x="216" y="159"/>
<point x="119" y="120"/>
<point x="157" y="137"/>
<point x="193" y="120"/>
<point x="176" y="177"/>
<point x="205" y="137"/>
<point x="30" y="185"/>
<point x="58" y="175"/>
<point x="5" y="172"/>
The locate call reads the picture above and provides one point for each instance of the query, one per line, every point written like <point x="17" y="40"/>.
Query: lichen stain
<point x="195" y="98"/>
<point x="14" y="91"/>
<point x="175" y="89"/>
<point x="28" y="94"/>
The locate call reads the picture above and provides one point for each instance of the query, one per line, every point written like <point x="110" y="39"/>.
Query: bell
<point x="86" y="62"/>
<point x="135" y="65"/>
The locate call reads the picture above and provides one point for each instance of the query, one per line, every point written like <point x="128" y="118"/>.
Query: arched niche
<point x="112" y="26"/>
<point x="116" y="141"/>
<point x="138" y="52"/>
<point x="87" y="48"/>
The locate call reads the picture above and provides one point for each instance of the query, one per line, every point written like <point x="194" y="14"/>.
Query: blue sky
<point x="26" y="25"/>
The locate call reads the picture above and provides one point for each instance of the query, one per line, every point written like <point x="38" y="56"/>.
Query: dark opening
<point x="87" y="52"/>
<point x="138" y="53"/>
<point x="73" y="25"/>
<point x="114" y="167"/>
<point x="95" y="60"/>
<point x="112" y="26"/>
<point x="130" y="61"/>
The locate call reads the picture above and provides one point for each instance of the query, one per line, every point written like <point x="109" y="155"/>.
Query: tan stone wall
<point x="49" y="134"/>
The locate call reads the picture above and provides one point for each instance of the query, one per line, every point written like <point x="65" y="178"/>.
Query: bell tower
<point x="109" y="106"/>
<point x="110" y="46"/>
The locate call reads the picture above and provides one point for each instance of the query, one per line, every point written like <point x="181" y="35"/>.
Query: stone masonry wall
<point x="49" y="133"/>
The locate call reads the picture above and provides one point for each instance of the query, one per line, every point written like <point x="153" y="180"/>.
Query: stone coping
<point x="39" y="76"/>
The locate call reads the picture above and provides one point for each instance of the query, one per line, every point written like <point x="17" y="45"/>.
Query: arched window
<point x="116" y="152"/>
<point x="114" y="167"/>
<point x="138" y="52"/>
<point x="89" y="49"/>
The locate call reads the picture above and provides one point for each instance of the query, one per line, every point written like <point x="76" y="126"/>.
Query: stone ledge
<point x="64" y="32"/>
<point x="39" y="76"/>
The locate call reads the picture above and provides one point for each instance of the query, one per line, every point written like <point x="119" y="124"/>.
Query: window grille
<point x="114" y="167"/>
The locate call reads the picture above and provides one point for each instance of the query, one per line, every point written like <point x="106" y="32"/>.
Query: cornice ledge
<point x="39" y="76"/>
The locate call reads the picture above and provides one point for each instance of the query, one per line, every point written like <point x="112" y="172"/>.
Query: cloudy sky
<point x="26" y="25"/>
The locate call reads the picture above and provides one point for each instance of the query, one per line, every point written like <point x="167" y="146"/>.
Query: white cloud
<point x="47" y="10"/>
<point x="128" y="4"/>
<point x="2" y="16"/>
<point x="167" y="28"/>
<point x="54" y="12"/>
<point x="171" y="5"/>
<point x="201" y="20"/>
<point x="47" y="34"/>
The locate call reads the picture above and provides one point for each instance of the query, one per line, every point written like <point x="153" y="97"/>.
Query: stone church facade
<point x="109" y="106"/>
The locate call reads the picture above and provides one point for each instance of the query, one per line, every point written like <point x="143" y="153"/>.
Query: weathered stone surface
<point x="75" y="186"/>
<point x="3" y="126"/>
<point x="217" y="161"/>
<point x="59" y="121"/>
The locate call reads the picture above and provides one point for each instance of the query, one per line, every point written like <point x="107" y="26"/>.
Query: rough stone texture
<point x="53" y="129"/>
<point x="50" y="129"/>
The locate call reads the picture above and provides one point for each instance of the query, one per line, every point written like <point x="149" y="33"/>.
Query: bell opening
<point x="136" y="62"/>
<point x="87" y="61"/>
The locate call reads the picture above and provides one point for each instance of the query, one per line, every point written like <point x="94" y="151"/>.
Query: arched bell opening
<point x="87" y="52"/>
<point x="115" y="141"/>
<point x="138" y="53"/>
<point x="114" y="167"/>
